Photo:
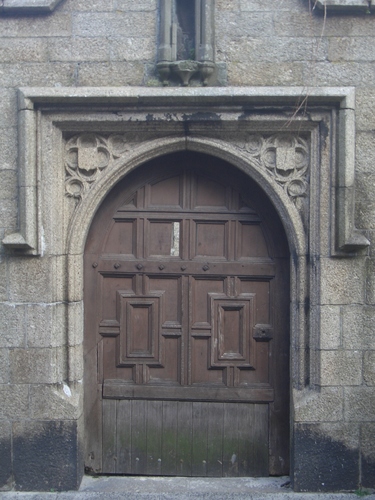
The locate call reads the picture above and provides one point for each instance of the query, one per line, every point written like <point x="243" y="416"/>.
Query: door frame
<point x="48" y="115"/>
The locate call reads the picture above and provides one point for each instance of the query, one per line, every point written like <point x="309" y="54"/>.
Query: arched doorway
<point x="187" y="325"/>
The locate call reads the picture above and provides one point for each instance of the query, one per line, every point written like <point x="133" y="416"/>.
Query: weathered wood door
<point x="186" y="311"/>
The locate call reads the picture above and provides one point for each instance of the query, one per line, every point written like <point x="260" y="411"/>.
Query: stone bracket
<point x="28" y="5"/>
<point x="28" y="240"/>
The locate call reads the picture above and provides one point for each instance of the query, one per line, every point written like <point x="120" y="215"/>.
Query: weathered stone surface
<point x="23" y="49"/>
<point x="302" y="23"/>
<point x="368" y="454"/>
<point x="342" y="281"/>
<point x="59" y="24"/>
<point x="8" y="185"/>
<point x="5" y="455"/>
<point x="365" y="102"/>
<point x="258" y="5"/>
<point x="45" y="456"/>
<point x="131" y="49"/>
<point x="365" y="155"/>
<point x="34" y="280"/>
<point x="4" y="366"/>
<point x="359" y="404"/>
<point x="341" y="368"/>
<point x="112" y="73"/>
<point x="261" y="72"/>
<point x="36" y="366"/>
<point x="46" y="325"/>
<point x="3" y="280"/>
<point x="56" y="402"/>
<point x="348" y="49"/>
<point x="8" y="213"/>
<point x="100" y="24"/>
<point x="14" y="401"/>
<point x="12" y="325"/>
<point x="323" y="464"/>
<point x="358" y="327"/>
<point x="75" y="318"/>
<point x="323" y="406"/>
<point x="8" y="108"/>
<point x="369" y="368"/>
<point x="79" y="49"/>
<point x="141" y="5"/>
<point x="370" y="281"/>
<point x="280" y="50"/>
<point x="330" y="327"/>
<point x="36" y="74"/>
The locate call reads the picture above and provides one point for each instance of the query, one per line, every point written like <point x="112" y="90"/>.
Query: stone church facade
<point x="203" y="172"/>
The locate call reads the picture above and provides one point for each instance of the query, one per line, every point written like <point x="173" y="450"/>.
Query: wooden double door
<point x="186" y="325"/>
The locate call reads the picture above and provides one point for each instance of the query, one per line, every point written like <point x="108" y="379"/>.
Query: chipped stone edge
<point x="348" y="239"/>
<point x="28" y="5"/>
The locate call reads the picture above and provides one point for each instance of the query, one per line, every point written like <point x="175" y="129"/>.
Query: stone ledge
<point x="28" y="5"/>
<point x="345" y="5"/>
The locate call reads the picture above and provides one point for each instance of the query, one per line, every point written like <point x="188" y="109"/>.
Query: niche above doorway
<point x="186" y="42"/>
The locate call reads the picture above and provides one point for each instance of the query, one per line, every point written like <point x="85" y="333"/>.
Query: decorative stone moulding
<point x="198" y="56"/>
<point x="28" y="5"/>
<point x="291" y="158"/>
<point x="344" y="5"/>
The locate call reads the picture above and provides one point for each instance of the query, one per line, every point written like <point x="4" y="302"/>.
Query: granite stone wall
<point x="113" y="43"/>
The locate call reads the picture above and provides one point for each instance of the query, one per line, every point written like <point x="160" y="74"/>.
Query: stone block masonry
<point x="90" y="68"/>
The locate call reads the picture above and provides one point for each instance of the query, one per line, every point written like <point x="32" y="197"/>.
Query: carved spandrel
<point x="87" y="156"/>
<point x="286" y="158"/>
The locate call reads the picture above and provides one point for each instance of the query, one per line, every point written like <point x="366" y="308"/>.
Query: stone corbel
<point x="28" y="5"/>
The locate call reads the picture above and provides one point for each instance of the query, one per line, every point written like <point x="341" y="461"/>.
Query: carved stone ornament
<point x="86" y="157"/>
<point x="286" y="159"/>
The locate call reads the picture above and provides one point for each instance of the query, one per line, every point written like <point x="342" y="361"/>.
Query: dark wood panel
<point x="200" y="437"/>
<point x="116" y="389"/>
<point x="139" y="437"/>
<point x="215" y="436"/>
<point x="124" y="437"/>
<point x="230" y="437"/>
<point x="109" y="436"/>
<point x="169" y="438"/>
<point x="184" y="438"/>
<point x="154" y="426"/>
